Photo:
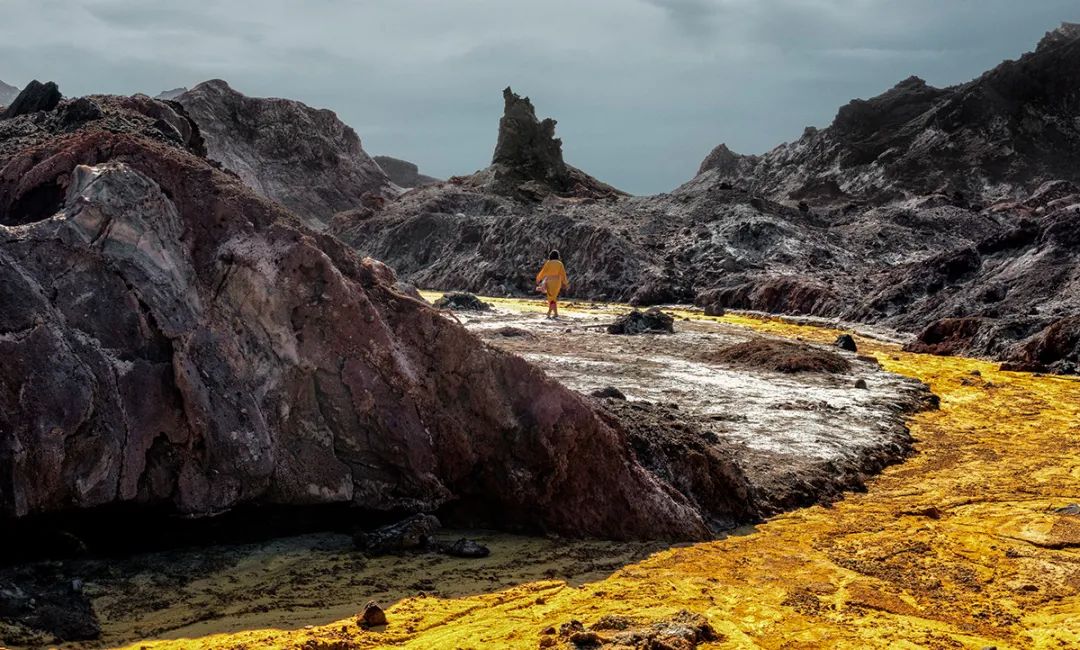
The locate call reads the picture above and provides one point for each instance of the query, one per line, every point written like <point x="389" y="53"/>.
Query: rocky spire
<point x="527" y="149"/>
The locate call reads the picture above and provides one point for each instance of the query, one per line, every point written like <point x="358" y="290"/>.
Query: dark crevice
<point x="126" y="529"/>
<point x="35" y="205"/>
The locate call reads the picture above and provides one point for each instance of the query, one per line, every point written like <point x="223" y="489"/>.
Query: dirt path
<point x="959" y="547"/>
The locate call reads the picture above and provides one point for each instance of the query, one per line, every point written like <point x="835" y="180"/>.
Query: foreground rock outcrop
<point x="911" y="236"/>
<point x="171" y="339"/>
<point x="304" y="158"/>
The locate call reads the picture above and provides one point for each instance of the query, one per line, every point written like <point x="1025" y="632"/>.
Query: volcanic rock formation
<point x="404" y="173"/>
<point x="35" y="97"/>
<point x="170" y="338"/>
<point x="304" y="158"/>
<point x="904" y="237"/>
<point x="996" y="137"/>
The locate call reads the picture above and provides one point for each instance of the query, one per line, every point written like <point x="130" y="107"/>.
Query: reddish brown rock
<point x="170" y="338"/>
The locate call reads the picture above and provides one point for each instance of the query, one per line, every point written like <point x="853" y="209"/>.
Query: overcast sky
<point x="642" y="89"/>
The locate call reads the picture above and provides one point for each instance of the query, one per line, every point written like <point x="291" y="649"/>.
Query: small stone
<point x="468" y="548"/>
<point x="461" y="301"/>
<point x="861" y="383"/>
<point x="846" y="342"/>
<point x="608" y="392"/>
<point x="373" y="615"/>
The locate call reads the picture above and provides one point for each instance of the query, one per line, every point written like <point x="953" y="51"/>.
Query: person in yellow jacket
<point x="550" y="280"/>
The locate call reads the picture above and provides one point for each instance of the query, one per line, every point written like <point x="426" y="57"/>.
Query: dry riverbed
<point x="967" y="544"/>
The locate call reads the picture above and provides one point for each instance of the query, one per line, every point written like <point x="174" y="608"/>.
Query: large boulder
<point x="171" y="339"/>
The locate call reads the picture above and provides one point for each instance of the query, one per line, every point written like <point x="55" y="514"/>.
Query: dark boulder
<point x="461" y="301"/>
<point x="608" y="392"/>
<point x="415" y="532"/>
<point x="372" y="615"/>
<point x="947" y="336"/>
<point x="467" y="548"/>
<point x="46" y="599"/>
<point x="651" y="321"/>
<point x="1056" y="348"/>
<point x="846" y="342"/>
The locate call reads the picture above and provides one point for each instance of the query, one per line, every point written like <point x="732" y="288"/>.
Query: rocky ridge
<point x="997" y="137"/>
<point x="304" y="158"/>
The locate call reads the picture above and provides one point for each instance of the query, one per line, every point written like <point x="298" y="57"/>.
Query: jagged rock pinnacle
<point x="527" y="149"/>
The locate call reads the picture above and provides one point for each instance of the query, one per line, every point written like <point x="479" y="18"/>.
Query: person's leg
<point x="555" y="306"/>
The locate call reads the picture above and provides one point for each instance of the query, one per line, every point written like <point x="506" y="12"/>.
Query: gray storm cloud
<point x="642" y="89"/>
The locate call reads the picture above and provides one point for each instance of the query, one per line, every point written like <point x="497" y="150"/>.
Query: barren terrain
<point x="961" y="546"/>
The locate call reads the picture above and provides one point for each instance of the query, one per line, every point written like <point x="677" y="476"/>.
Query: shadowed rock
<point x="461" y="301"/>
<point x="527" y="149"/>
<point x="35" y="97"/>
<point x="413" y="533"/>
<point x="650" y="321"/>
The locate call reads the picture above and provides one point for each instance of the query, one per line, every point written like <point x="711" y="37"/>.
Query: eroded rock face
<point x="206" y="350"/>
<point x="304" y="158"/>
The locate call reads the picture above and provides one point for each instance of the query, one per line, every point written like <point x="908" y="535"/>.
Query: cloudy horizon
<point x="641" y="89"/>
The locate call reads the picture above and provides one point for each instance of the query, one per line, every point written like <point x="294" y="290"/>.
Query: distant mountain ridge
<point x="996" y="137"/>
<point x="8" y="93"/>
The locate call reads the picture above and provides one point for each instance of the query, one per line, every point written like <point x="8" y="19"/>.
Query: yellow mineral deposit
<point x="959" y="547"/>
